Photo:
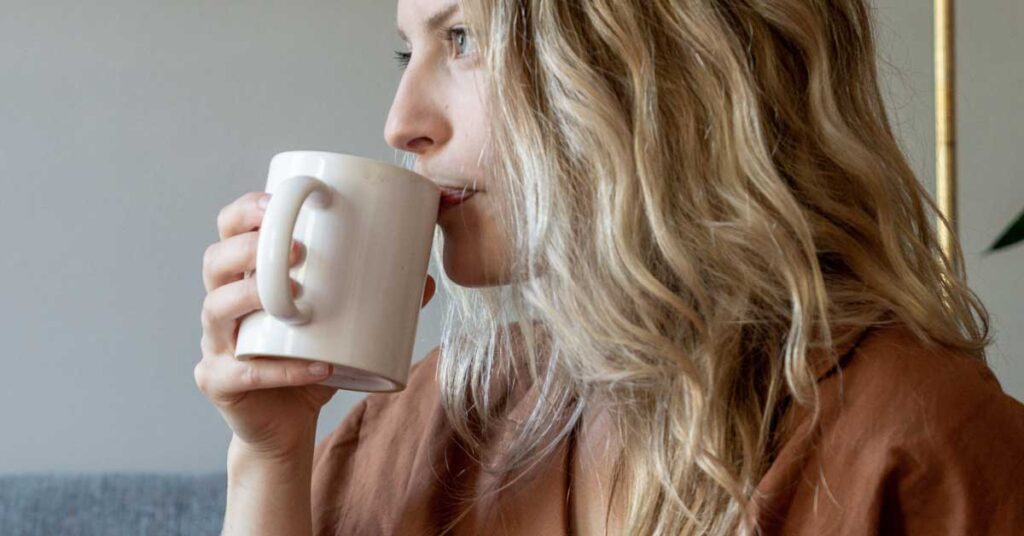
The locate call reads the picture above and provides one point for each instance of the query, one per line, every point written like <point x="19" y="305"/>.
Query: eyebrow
<point x="434" y="21"/>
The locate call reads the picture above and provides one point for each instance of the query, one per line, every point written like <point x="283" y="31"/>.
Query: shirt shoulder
<point x="913" y="439"/>
<point x="946" y="440"/>
<point x="918" y="395"/>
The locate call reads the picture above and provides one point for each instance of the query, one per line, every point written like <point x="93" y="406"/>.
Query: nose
<point x="417" y="121"/>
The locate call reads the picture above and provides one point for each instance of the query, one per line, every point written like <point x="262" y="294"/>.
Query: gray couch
<point x="57" y="504"/>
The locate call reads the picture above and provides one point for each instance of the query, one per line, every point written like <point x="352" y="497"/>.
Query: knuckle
<point x="293" y="375"/>
<point x="201" y="375"/>
<point x="222" y="218"/>
<point x="207" y="318"/>
<point x="206" y="344"/>
<point x="208" y="256"/>
<point x="251" y="376"/>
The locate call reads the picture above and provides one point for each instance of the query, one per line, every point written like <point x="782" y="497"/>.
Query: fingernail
<point x="264" y="201"/>
<point x="318" y="369"/>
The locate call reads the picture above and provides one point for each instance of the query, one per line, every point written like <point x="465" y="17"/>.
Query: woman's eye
<point x="458" y="36"/>
<point x="403" y="58"/>
<point x="461" y="40"/>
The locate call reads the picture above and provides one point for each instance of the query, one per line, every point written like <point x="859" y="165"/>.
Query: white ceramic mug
<point x="367" y="228"/>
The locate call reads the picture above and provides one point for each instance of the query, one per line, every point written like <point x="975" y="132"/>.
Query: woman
<point x="695" y="292"/>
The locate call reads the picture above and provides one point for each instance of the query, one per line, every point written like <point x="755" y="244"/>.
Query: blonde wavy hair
<point x="699" y="194"/>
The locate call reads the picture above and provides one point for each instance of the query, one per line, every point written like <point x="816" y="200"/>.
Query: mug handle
<point x="274" y="244"/>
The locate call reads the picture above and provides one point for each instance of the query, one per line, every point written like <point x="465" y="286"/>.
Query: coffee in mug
<point x="367" y="227"/>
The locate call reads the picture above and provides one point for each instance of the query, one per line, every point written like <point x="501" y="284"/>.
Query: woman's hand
<point x="271" y="404"/>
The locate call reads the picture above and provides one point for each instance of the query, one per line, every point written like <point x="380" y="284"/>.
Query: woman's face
<point x="439" y="114"/>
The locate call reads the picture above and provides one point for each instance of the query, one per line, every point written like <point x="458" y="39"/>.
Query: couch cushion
<point x="112" y="503"/>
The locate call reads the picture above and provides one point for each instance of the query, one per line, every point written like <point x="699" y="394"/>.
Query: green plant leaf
<point x="1013" y="234"/>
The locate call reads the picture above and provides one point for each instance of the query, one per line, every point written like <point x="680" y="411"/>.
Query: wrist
<point x="289" y="450"/>
<point x="242" y="455"/>
<point x="248" y="473"/>
<point x="268" y="492"/>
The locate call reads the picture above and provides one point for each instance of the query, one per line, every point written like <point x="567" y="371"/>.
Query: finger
<point x="428" y="291"/>
<point x="241" y="215"/>
<point x="232" y="258"/>
<point x="225" y="379"/>
<point x="222" y="308"/>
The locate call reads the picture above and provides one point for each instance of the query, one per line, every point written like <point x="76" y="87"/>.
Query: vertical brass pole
<point x="945" y="120"/>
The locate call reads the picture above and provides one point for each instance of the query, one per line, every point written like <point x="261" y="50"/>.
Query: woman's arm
<point x="268" y="494"/>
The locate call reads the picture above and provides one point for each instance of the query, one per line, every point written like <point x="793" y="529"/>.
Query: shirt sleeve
<point x="964" y="476"/>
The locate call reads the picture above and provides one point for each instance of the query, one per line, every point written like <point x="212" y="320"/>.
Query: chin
<point x="469" y="265"/>
<point x="464" y="270"/>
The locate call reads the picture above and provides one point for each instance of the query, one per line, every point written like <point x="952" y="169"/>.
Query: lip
<point x="451" y="197"/>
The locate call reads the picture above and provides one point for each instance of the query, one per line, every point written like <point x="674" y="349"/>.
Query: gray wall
<point x="126" y="125"/>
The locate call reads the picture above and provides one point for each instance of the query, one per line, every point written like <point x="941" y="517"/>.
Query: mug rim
<point x="362" y="159"/>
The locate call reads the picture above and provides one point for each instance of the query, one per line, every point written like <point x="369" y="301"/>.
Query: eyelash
<point x="447" y="34"/>
<point x="402" y="58"/>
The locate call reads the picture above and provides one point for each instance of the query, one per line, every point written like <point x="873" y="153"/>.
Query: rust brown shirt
<point x="918" y="441"/>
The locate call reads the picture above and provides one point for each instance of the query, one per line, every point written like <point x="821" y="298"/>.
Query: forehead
<point x="416" y="16"/>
